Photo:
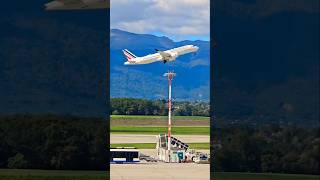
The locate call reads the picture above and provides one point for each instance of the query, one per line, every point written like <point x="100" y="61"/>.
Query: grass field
<point x="135" y="117"/>
<point x="251" y="176"/>
<point x="153" y="145"/>
<point x="6" y="174"/>
<point x="100" y="175"/>
<point x="129" y="120"/>
<point x="158" y="130"/>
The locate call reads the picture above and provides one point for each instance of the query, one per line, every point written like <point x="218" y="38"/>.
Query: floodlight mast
<point x="170" y="76"/>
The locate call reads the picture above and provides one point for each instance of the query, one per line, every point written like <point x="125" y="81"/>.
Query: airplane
<point x="164" y="56"/>
<point x="77" y="4"/>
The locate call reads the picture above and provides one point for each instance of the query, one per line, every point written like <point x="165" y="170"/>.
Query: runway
<point x="153" y="152"/>
<point x="139" y="138"/>
<point x="160" y="171"/>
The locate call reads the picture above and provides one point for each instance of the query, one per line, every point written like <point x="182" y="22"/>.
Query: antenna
<point x="170" y="76"/>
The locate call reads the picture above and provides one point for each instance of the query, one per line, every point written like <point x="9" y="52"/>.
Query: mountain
<point x="266" y="67"/>
<point x="147" y="81"/>
<point x="52" y="62"/>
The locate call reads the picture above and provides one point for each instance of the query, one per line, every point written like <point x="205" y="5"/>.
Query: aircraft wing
<point x="164" y="55"/>
<point x="77" y="4"/>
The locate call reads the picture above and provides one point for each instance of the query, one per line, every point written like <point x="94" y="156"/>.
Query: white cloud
<point x="177" y="19"/>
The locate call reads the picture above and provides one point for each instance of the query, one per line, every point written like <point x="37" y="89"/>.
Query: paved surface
<point x="139" y="138"/>
<point x="153" y="152"/>
<point x="160" y="171"/>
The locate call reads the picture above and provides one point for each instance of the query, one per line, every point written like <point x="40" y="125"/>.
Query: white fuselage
<point x="168" y="55"/>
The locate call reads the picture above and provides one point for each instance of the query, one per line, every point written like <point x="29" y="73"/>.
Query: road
<point x="153" y="152"/>
<point x="160" y="171"/>
<point x="140" y="138"/>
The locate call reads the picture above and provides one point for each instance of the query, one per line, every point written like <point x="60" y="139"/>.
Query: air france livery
<point x="164" y="56"/>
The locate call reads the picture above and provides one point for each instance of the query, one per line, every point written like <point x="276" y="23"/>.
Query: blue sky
<point x="176" y="19"/>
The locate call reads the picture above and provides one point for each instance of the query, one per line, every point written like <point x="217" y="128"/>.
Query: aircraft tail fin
<point x="130" y="56"/>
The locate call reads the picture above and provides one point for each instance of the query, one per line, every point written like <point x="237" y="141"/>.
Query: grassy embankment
<point x="11" y="174"/>
<point x="159" y="121"/>
<point x="253" y="176"/>
<point x="147" y="117"/>
<point x="153" y="145"/>
<point x="189" y="125"/>
<point x="100" y="175"/>
<point x="132" y="125"/>
<point x="158" y="130"/>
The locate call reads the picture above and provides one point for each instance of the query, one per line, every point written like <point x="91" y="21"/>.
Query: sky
<point x="176" y="19"/>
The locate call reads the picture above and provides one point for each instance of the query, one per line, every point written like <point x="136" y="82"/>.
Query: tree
<point x="17" y="162"/>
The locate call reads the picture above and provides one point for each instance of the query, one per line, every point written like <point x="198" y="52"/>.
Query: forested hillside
<point x="53" y="142"/>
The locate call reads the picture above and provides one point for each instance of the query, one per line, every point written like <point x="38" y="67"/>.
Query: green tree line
<point x="269" y="148"/>
<point x="53" y="142"/>
<point x="131" y="106"/>
<point x="67" y="142"/>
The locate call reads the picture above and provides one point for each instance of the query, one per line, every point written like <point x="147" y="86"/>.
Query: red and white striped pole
<point x="170" y="76"/>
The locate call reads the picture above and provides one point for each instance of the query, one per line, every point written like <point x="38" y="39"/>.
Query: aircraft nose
<point x="196" y="48"/>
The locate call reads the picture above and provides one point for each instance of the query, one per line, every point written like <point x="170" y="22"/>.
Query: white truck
<point x="197" y="157"/>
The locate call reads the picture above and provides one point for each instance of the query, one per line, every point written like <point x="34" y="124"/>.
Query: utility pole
<point x="170" y="76"/>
